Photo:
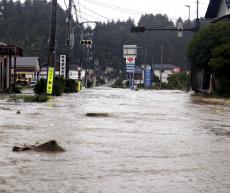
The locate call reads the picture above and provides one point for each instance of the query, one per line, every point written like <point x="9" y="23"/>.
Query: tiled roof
<point x="27" y="62"/>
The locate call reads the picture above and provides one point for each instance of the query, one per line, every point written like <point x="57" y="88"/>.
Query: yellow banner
<point x="50" y="80"/>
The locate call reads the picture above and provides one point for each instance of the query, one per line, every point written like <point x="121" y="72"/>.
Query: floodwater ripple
<point x="151" y="141"/>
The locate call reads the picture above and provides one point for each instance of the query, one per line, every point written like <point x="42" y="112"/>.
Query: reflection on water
<point x="152" y="141"/>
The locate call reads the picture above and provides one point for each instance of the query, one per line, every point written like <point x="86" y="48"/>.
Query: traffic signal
<point x="86" y="42"/>
<point x="137" y="29"/>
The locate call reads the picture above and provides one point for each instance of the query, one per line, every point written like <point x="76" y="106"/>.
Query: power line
<point x="112" y="7"/>
<point x="95" y="12"/>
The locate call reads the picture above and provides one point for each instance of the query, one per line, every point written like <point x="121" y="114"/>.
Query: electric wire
<point x="116" y="8"/>
<point x="94" y="12"/>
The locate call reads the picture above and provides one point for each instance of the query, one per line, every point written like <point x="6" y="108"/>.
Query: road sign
<point x="63" y="66"/>
<point x="148" y="77"/>
<point x="129" y="51"/>
<point x="50" y="80"/>
<point x="130" y="60"/>
<point x="130" y="68"/>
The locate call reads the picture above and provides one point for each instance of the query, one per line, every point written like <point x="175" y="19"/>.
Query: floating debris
<point x="50" y="146"/>
<point x="97" y="114"/>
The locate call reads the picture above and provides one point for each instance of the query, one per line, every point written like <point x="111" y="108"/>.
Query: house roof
<point x="213" y="8"/>
<point x="164" y="66"/>
<point x="27" y="62"/>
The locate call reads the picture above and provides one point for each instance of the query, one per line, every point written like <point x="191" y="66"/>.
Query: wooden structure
<point x="7" y="60"/>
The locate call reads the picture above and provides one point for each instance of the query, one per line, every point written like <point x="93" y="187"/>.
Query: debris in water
<point x="18" y="112"/>
<point x="97" y="114"/>
<point x="50" y="146"/>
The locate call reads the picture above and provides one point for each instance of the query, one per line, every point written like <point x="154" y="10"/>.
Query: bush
<point x="40" y="87"/>
<point x="223" y="87"/>
<point x="178" y="81"/>
<point x="16" y="90"/>
<point x="70" y="86"/>
<point x="58" y="87"/>
<point x="36" y="98"/>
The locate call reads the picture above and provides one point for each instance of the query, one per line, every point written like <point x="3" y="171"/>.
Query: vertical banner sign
<point x="63" y="66"/>
<point x="50" y="80"/>
<point x="148" y="77"/>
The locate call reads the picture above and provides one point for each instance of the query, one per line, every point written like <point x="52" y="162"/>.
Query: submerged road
<point x="151" y="142"/>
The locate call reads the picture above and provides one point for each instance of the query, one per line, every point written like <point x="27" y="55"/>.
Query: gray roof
<point x="164" y="66"/>
<point x="27" y="62"/>
<point x="212" y="8"/>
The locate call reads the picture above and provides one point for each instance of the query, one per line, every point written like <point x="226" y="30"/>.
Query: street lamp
<point x="188" y="11"/>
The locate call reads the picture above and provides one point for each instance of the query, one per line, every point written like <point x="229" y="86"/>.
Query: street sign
<point x="63" y="66"/>
<point x="50" y="80"/>
<point x="130" y="60"/>
<point x="148" y="77"/>
<point x="130" y="68"/>
<point x="129" y="51"/>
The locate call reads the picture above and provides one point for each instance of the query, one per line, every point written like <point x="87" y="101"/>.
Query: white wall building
<point x="167" y="69"/>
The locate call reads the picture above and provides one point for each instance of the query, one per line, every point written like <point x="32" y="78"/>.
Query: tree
<point x="210" y="50"/>
<point x="200" y="50"/>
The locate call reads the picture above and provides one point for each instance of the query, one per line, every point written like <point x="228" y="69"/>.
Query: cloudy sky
<point x="103" y="10"/>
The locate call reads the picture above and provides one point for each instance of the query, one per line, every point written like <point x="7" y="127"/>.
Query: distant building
<point x="27" y="69"/>
<point x="167" y="69"/>
<point x="218" y="10"/>
<point x="7" y="61"/>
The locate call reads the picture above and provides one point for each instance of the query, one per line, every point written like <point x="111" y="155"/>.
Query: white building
<point x="167" y="69"/>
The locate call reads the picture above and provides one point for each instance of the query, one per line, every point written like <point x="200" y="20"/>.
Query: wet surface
<point x="152" y="141"/>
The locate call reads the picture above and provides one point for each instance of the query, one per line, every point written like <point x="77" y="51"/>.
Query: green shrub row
<point x="60" y="85"/>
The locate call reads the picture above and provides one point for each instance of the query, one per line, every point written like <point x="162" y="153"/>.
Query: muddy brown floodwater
<point x="149" y="142"/>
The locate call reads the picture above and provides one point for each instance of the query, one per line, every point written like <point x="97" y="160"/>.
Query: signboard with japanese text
<point x="50" y="80"/>
<point x="148" y="77"/>
<point x="63" y="66"/>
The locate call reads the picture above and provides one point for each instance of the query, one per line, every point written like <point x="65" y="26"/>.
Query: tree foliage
<point x="210" y="49"/>
<point x="206" y="44"/>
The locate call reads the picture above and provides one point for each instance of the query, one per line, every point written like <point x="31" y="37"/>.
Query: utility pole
<point x="69" y="34"/>
<point x="197" y="16"/>
<point x="52" y="35"/>
<point x="51" y="54"/>
<point x="162" y="49"/>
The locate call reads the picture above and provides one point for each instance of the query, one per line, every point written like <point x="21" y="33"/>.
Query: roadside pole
<point x="51" y="54"/>
<point x="161" y="67"/>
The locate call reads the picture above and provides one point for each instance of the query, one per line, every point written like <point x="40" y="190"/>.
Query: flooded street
<point x="151" y="142"/>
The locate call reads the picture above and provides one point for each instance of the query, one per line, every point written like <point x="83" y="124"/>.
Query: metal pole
<point x="69" y="26"/>
<point x="161" y="66"/>
<point x="197" y="16"/>
<point x="52" y="35"/>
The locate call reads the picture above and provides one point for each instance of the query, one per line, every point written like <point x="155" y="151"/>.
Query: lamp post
<point x="188" y="11"/>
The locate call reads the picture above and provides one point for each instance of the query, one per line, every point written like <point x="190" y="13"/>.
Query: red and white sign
<point x="130" y="60"/>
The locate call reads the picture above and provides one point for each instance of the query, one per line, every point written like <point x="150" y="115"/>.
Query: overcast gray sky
<point x="123" y="9"/>
<point x="103" y="10"/>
